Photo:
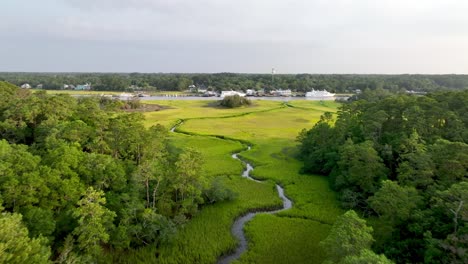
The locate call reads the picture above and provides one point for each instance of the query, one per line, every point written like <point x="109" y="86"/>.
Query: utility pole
<point x="272" y="77"/>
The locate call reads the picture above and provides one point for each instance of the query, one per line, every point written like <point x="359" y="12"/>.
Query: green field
<point x="271" y="127"/>
<point x="189" y="109"/>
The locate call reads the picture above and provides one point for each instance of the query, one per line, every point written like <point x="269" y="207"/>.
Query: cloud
<point x="298" y="34"/>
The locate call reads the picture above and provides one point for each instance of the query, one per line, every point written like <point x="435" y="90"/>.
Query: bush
<point x="219" y="192"/>
<point x="235" y="101"/>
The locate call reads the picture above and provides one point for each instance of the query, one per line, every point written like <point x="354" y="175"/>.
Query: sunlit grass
<point x="275" y="239"/>
<point x="215" y="152"/>
<point x="183" y="109"/>
<point x="285" y="123"/>
<point x="291" y="236"/>
<point x="323" y="106"/>
<point x="312" y="196"/>
<point x="207" y="236"/>
<point x="273" y="134"/>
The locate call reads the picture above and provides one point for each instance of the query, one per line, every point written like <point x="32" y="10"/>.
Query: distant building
<point x="26" y="86"/>
<point x="197" y="89"/>
<point x="250" y="92"/>
<point x="261" y="92"/>
<point x="192" y="88"/>
<point x="39" y="86"/>
<point x="414" y="92"/>
<point x="319" y="94"/>
<point x="209" y="94"/>
<point x="231" y="93"/>
<point x="83" y="87"/>
<point x="282" y="92"/>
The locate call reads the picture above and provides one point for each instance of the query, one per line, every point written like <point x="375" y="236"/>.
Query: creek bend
<point x="237" y="228"/>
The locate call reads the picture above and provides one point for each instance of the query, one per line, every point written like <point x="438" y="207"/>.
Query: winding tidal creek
<point x="238" y="227"/>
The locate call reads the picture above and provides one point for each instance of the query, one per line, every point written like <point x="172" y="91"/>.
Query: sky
<point x="246" y="36"/>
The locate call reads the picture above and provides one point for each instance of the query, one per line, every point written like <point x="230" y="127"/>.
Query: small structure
<point x="126" y="95"/>
<point x="319" y="94"/>
<point x="250" y="92"/>
<point x="202" y="90"/>
<point x="209" y="94"/>
<point x="39" y="86"/>
<point x="280" y="92"/>
<point x="192" y="88"/>
<point x="26" y="86"/>
<point x="261" y="92"/>
<point x="231" y="93"/>
<point x="83" y="87"/>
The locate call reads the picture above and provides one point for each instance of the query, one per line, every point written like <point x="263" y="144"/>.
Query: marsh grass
<point x="190" y="109"/>
<point x="291" y="236"/>
<point x="207" y="236"/>
<point x="275" y="239"/>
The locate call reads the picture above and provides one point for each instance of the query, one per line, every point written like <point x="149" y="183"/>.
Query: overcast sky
<point x="252" y="36"/>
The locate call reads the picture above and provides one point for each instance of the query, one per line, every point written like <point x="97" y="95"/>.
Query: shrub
<point x="235" y="101"/>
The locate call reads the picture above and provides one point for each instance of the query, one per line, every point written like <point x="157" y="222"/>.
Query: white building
<point x="282" y="92"/>
<point x="231" y="93"/>
<point x="319" y="94"/>
<point x="26" y="86"/>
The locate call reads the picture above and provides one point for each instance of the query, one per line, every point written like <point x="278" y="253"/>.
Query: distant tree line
<point x="77" y="176"/>
<point x="340" y="83"/>
<point x="402" y="161"/>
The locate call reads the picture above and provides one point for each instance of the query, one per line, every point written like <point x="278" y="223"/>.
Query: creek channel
<point x="237" y="228"/>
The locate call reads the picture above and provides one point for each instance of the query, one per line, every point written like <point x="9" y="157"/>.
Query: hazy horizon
<point x="209" y="36"/>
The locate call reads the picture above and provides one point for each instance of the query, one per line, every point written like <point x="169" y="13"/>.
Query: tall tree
<point x="348" y="237"/>
<point x="94" y="222"/>
<point x="15" y="244"/>
<point x="394" y="202"/>
<point x="359" y="171"/>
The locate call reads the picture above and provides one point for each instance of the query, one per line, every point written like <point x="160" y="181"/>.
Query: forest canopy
<point x="402" y="160"/>
<point x="77" y="177"/>
<point x="340" y="83"/>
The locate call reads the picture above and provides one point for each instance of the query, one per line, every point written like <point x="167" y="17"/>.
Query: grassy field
<point x="208" y="235"/>
<point x="267" y="236"/>
<point x="291" y="236"/>
<point x="189" y="109"/>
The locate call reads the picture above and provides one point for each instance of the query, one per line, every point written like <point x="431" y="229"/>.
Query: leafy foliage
<point x="85" y="177"/>
<point x="348" y="237"/>
<point x="15" y="244"/>
<point x="396" y="156"/>
<point x="223" y="81"/>
<point x="234" y="101"/>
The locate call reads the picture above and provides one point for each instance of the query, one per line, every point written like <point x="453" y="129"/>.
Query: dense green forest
<point x="402" y="162"/>
<point x="77" y="177"/>
<point x="340" y="83"/>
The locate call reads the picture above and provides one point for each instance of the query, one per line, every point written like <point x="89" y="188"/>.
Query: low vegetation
<point x="234" y="101"/>
<point x="274" y="239"/>
<point x="272" y="134"/>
